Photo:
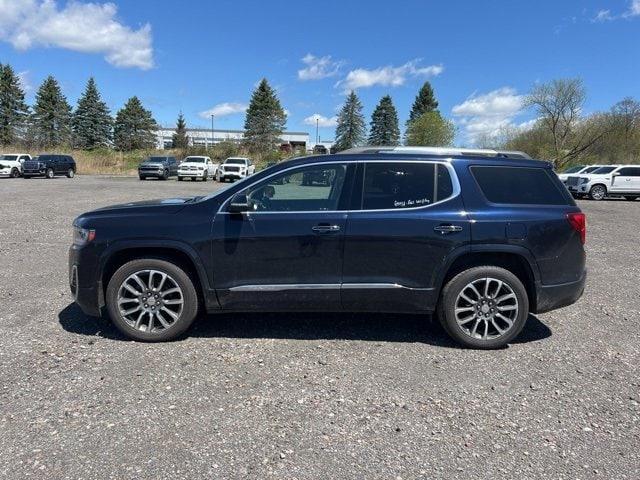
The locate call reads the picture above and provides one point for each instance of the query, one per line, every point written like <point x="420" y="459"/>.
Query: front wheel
<point x="142" y="177"/>
<point x="205" y="177"/>
<point x="151" y="300"/>
<point x="49" y="174"/>
<point x="15" y="173"/>
<point x="484" y="307"/>
<point x="597" y="192"/>
<point x="165" y="175"/>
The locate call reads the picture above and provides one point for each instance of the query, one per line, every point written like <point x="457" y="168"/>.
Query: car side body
<point x="11" y="164"/>
<point x="355" y="245"/>
<point x="49" y="165"/>
<point x="158" y="167"/>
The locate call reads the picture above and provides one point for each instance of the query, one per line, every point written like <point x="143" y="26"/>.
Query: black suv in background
<point x="158" y="167"/>
<point x="480" y="237"/>
<point x="49" y="165"/>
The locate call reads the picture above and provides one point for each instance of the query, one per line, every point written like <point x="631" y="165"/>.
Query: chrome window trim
<point x="321" y="286"/>
<point x="455" y="184"/>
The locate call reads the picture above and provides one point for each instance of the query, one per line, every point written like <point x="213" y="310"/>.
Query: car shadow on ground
<point x="376" y="327"/>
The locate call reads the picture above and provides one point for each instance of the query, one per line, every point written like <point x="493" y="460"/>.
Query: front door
<point x="287" y="253"/>
<point x="399" y="235"/>
<point x="627" y="180"/>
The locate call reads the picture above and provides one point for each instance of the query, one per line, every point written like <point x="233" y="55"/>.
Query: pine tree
<point x="134" y="127"/>
<point x="425" y="102"/>
<point x="351" y="129"/>
<point x="384" y="124"/>
<point x="180" y="138"/>
<point x="265" y="120"/>
<point x="51" y="115"/>
<point x="92" y="123"/>
<point x="13" y="110"/>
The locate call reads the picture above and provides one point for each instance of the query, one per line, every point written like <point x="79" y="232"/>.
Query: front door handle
<point x="444" y="229"/>
<point x="326" y="228"/>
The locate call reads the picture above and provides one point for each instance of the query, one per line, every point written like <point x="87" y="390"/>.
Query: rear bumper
<point x="551" y="297"/>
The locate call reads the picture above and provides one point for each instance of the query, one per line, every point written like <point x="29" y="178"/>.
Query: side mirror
<point x="615" y="174"/>
<point x="240" y="203"/>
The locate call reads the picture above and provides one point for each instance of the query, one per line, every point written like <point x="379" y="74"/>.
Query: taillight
<point x="578" y="222"/>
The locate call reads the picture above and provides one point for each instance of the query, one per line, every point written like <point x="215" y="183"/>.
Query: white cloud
<point x="224" y="109"/>
<point x="634" y="9"/>
<point x="322" y="120"/>
<point x="605" y="15"/>
<point x="24" y="78"/>
<point x="487" y="114"/>
<point x="81" y="27"/>
<point x="318" y="67"/>
<point x="388" y="76"/>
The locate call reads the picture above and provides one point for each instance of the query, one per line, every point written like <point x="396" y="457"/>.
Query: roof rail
<point x="451" y="151"/>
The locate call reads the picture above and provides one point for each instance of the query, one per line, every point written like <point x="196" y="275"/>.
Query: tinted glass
<point x="629" y="172"/>
<point x="590" y="169"/>
<point x="445" y="187"/>
<point x="518" y="185"/>
<point x="398" y="185"/>
<point x="235" y="161"/>
<point x="8" y="157"/>
<point x="194" y="159"/>
<point x="602" y="170"/>
<point x="304" y="189"/>
<point x="573" y="169"/>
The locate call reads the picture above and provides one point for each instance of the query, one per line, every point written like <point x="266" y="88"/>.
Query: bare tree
<point x="558" y="105"/>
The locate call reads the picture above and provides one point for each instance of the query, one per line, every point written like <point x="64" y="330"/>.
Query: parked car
<point x="577" y="170"/>
<point x="158" y="167"/>
<point x="620" y="180"/>
<point x="320" y="150"/>
<point x="235" y="168"/>
<point x="49" y="165"/>
<point x="11" y="164"/>
<point x="479" y="238"/>
<point x="195" y="167"/>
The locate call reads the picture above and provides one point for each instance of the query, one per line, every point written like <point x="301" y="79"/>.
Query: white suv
<point x="11" y="163"/>
<point x="235" y="168"/>
<point x="622" y="180"/>
<point x="195" y="167"/>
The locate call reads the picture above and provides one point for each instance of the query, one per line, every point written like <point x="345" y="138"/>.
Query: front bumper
<point x="551" y="297"/>
<point x="85" y="288"/>
<point x="151" y="173"/>
<point x="232" y="175"/>
<point x="192" y="173"/>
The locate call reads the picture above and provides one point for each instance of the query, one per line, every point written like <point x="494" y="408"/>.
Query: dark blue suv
<point x="479" y="237"/>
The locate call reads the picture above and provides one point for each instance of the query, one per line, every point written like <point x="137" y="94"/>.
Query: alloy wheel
<point x="598" y="192"/>
<point x="486" y="308"/>
<point x="150" y="301"/>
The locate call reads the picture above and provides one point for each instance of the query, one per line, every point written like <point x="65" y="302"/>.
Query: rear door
<point x="407" y="218"/>
<point x="627" y="180"/>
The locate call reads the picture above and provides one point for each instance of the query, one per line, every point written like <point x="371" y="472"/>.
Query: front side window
<point x="397" y="185"/>
<point x="312" y="188"/>
<point x="590" y="169"/>
<point x="518" y="185"/>
<point x="603" y="170"/>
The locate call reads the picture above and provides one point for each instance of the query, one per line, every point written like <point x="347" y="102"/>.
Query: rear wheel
<point x="15" y="173"/>
<point x="49" y="173"/>
<point x="70" y="173"/>
<point x="597" y="192"/>
<point x="631" y="198"/>
<point x="165" y="175"/>
<point x="180" y="179"/>
<point x="484" y="307"/>
<point x="151" y="300"/>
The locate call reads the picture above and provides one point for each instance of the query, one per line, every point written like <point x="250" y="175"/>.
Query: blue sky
<point x="204" y="55"/>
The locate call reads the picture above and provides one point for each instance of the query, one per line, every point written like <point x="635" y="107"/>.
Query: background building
<point x="203" y="137"/>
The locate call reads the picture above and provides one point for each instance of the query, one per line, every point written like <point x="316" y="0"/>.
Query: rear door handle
<point x="326" y="228"/>
<point x="444" y="229"/>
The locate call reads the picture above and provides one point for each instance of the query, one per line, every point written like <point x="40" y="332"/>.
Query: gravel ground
<point x="307" y="396"/>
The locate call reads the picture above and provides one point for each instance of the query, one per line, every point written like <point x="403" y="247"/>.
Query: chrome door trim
<point x="321" y="286"/>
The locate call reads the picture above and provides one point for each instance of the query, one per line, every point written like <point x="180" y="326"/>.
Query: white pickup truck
<point x="11" y="164"/>
<point x="235" y="168"/>
<point x="195" y="167"/>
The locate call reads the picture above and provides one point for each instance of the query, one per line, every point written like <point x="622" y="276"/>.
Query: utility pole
<point x="212" y="134"/>
<point x="317" y="136"/>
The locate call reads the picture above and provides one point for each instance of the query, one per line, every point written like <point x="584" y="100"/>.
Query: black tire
<point x="598" y="192"/>
<point x="142" y="177"/>
<point x="450" y="294"/>
<point x="49" y="173"/>
<point x="165" y="175"/>
<point x="190" y="298"/>
<point x="70" y="173"/>
<point x="15" y="173"/>
<point x="180" y="179"/>
<point x="205" y="176"/>
<point x="631" y="198"/>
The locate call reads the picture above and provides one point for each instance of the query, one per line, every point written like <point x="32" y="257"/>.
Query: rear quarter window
<point x="519" y="185"/>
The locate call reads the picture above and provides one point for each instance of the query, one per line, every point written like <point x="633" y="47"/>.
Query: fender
<point x="210" y="297"/>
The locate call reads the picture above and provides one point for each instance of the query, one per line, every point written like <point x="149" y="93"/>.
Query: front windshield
<point x="194" y="159"/>
<point x="603" y="170"/>
<point x="235" y="161"/>
<point x="590" y="169"/>
<point x="9" y="157"/>
<point x="574" y="169"/>
<point x="156" y="159"/>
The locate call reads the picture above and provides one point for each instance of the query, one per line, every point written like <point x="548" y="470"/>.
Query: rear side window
<point x="518" y="185"/>
<point x="629" y="172"/>
<point x="397" y="185"/>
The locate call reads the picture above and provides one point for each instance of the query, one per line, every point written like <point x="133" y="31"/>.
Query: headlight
<point x="82" y="236"/>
